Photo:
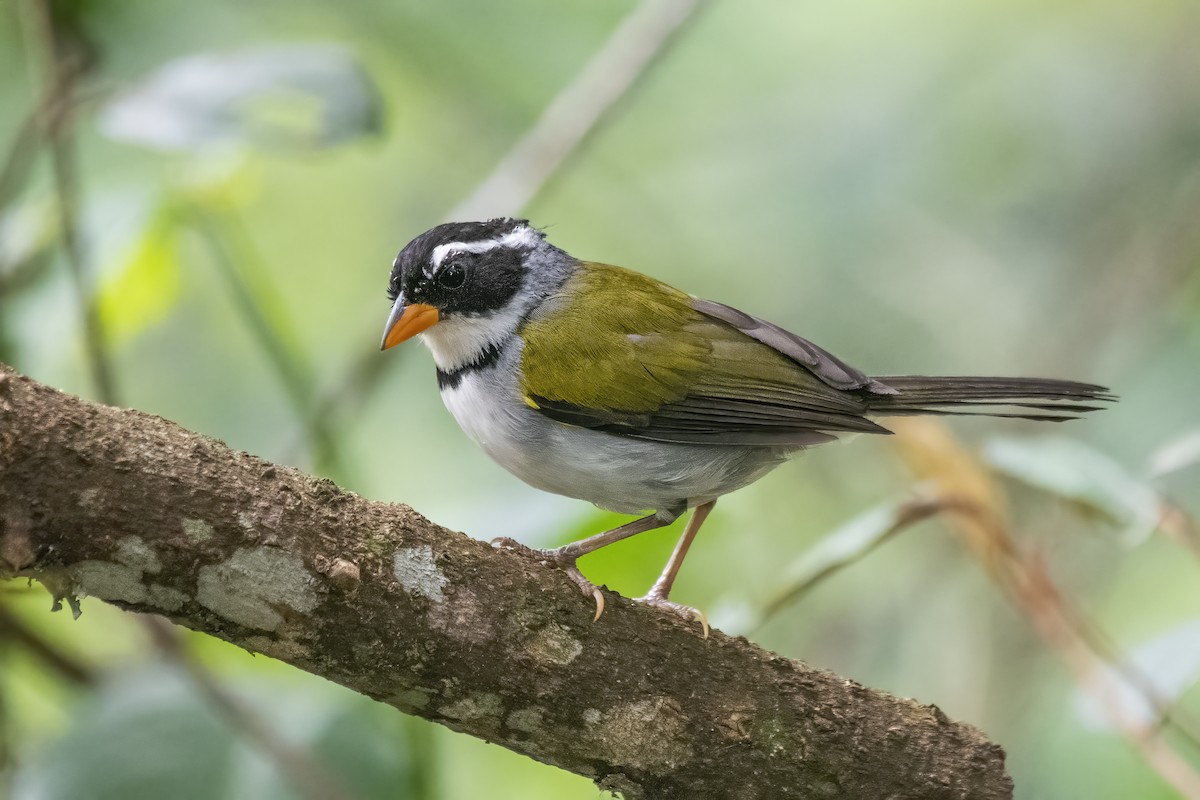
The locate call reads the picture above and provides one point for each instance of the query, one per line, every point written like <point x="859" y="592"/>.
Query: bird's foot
<point x="564" y="561"/>
<point x="657" y="600"/>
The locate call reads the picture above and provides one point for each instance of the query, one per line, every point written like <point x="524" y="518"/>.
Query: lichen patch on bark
<point x="197" y="530"/>
<point x="411" y="700"/>
<point x="476" y="706"/>
<point x="417" y="572"/>
<point x="113" y="582"/>
<point x="125" y="580"/>
<point x="133" y="552"/>
<point x="526" y="720"/>
<point x="554" y="644"/>
<point x="166" y="598"/>
<point x="646" y="734"/>
<point x="253" y="583"/>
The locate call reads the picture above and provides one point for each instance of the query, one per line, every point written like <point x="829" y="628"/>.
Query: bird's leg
<point x="565" y="557"/>
<point x="662" y="587"/>
<point x="657" y="596"/>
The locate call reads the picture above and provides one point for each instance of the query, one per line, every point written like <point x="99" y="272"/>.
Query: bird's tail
<point x="1024" y="398"/>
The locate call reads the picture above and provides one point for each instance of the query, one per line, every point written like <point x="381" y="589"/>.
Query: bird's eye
<point x="451" y="276"/>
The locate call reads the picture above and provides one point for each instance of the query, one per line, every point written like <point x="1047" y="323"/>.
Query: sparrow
<point x="603" y="384"/>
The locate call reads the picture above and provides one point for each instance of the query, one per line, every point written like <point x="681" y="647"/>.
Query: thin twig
<point x="247" y="280"/>
<point x="577" y="109"/>
<point x="1031" y="588"/>
<point x="18" y="162"/>
<point x="295" y="766"/>
<point x="1004" y="547"/>
<point x="1177" y="523"/>
<point x="13" y="629"/>
<point x="1167" y="711"/>
<point x="979" y="510"/>
<point x="975" y="503"/>
<point x="643" y="37"/>
<point x="906" y="515"/>
<point x="63" y="70"/>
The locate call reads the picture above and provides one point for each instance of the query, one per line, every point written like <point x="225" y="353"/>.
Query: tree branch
<point x="137" y="511"/>
<point x="577" y="110"/>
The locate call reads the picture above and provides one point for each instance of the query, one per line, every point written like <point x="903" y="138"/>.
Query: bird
<point x="604" y="384"/>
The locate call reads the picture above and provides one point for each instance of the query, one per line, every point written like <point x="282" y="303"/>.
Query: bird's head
<point x="467" y="285"/>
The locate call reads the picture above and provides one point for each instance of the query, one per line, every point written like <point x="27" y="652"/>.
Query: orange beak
<point x="406" y="321"/>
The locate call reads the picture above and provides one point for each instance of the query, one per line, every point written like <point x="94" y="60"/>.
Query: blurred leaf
<point x="220" y="181"/>
<point x="1169" y="664"/>
<point x="930" y="450"/>
<point x="1175" y="455"/>
<point x="144" y="738"/>
<point x="1072" y="470"/>
<point x="142" y="287"/>
<point x="843" y="546"/>
<point x="148" y="736"/>
<point x="369" y="765"/>
<point x="301" y="97"/>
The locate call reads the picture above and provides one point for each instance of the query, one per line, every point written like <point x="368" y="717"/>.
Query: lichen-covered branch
<point x="137" y="511"/>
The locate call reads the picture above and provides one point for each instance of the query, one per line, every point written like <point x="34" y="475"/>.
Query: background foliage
<point x="926" y="187"/>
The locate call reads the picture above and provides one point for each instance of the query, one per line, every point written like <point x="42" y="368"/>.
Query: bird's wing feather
<point x="822" y="363"/>
<point x="635" y="357"/>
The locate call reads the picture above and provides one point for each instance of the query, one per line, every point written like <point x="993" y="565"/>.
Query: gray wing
<point x="820" y="362"/>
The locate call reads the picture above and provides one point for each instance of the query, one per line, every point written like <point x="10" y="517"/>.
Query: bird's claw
<point x="563" y="562"/>
<point x="588" y="588"/>
<point x="566" y="563"/>
<point x="687" y="612"/>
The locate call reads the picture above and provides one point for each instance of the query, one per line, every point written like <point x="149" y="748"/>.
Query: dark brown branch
<point x="139" y="512"/>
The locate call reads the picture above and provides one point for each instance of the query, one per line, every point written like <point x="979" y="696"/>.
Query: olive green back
<point x="630" y="354"/>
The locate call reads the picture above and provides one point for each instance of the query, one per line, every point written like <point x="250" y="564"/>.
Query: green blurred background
<point x="924" y="187"/>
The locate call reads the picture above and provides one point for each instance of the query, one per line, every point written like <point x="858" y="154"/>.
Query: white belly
<point x="615" y="472"/>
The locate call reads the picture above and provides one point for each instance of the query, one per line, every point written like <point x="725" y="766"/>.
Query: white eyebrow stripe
<point x="523" y="236"/>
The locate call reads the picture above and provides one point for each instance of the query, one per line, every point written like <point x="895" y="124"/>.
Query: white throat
<point x="458" y="341"/>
